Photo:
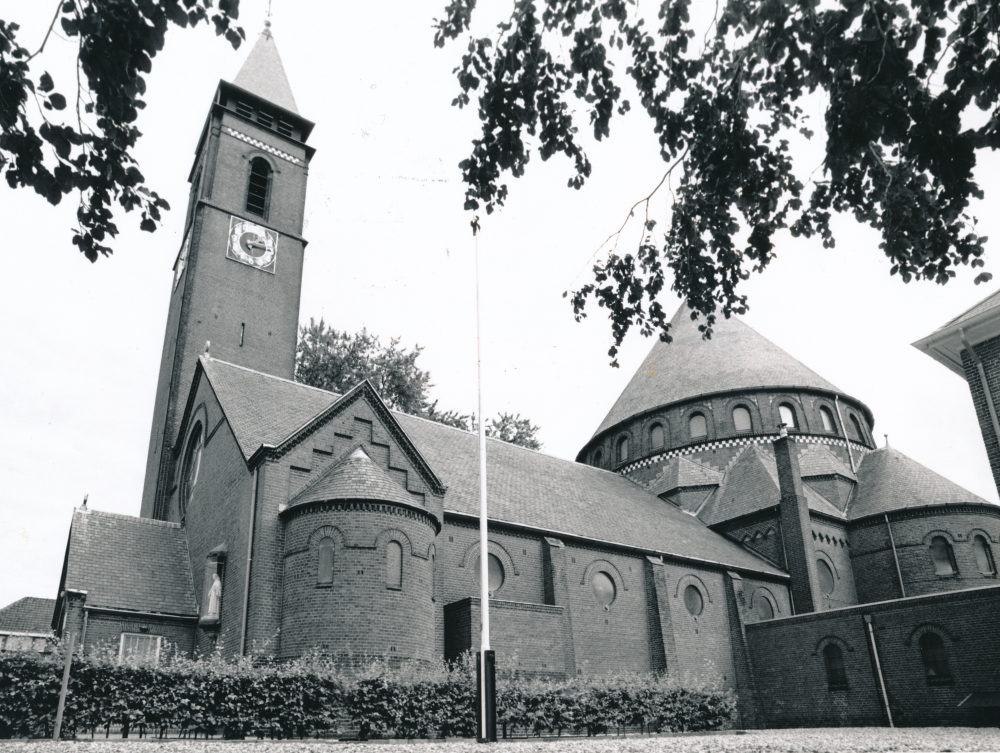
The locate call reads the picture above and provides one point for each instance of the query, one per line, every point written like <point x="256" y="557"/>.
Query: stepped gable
<point x="123" y="562"/>
<point x="889" y="480"/>
<point x="563" y="498"/>
<point x="355" y="477"/>
<point x="736" y="357"/>
<point x="260" y="408"/>
<point x="679" y="472"/>
<point x="751" y="485"/>
<point x="28" y="615"/>
<point x="263" y="74"/>
<point x="818" y="460"/>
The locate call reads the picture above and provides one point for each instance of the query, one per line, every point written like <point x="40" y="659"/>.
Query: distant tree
<point x="91" y="152"/>
<point x="337" y="361"/>
<point x="910" y="88"/>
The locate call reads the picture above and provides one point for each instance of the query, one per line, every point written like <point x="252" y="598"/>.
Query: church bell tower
<point x="238" y="273"/>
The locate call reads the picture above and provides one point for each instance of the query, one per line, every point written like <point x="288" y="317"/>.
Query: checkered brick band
<point x="262" y="145"/>
<point x="859" y="450"/>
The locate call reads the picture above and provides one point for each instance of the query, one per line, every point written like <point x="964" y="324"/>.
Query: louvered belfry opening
<point x="260" y="178"/>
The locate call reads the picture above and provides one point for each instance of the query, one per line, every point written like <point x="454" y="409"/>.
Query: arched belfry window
<point x="741" y="419"/>
<point x="623" y="449"/>
<point x="942" y="556"/>
<point x="698" y="426"/>
<point x="984" y="556"/>
<point x="259" y="186"/>
<point x="787" y="414"/>
<point x="394" y="565"/>
<point x="325" y="575"/>
<point x="828" y="425"/>
<point x="192" y="463"/>
<point x="656" y="436"/>
<point x="833" y="660"/>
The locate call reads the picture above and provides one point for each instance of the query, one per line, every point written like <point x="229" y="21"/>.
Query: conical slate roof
<point x="356" y="477"/>
<point x="889" y="480"/>
<point x="264" y="75"/>
<point x="736" y="357"/>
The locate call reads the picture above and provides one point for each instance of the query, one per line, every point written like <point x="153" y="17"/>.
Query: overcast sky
<point x="390" y="249"/>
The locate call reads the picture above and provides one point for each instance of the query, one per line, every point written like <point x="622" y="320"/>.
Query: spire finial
<point x="84" y="505"/>
<point x="886" y="439"/>
<point x="208" y="347"/>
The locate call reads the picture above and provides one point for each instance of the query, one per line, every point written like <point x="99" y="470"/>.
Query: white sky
<point x="390" y="249"/>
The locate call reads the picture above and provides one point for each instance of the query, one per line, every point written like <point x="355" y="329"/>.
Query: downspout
<point x="246" y="580"/>
<point x="986" y="386"/>
<point x="895" y="558"/>
<point x="843" y="426"/>
<point x="878" y="668"/>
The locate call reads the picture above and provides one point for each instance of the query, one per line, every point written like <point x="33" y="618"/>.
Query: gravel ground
<point x="772" y="741"/>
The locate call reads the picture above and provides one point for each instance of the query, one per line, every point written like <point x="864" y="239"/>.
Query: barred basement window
<point x="787" y="414"/>
<point x="741" y="419"/>
<point x="698" y="426"/>
<point x="656" y="436"/>
<point x="935" y="660"/>
<point x="827" y="417"/>
<point x="244" y="109"/>
<point x="943" y="556"/>
<point x="139" y="648"/>
<point x="394" y="565"/>
<point x="833" y="660"/>
<point x="325" y="576"/>
<point x="984" y="556"/>
<point x="258" y="186"/>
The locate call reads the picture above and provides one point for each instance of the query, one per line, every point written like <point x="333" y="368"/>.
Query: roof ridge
<point x="122" y="516"/>
<point x="272" y="376"/>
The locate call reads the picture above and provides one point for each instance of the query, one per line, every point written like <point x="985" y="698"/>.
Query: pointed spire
<point x="264" y="75"/>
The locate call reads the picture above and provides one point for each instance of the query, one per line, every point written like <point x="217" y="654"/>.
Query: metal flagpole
<point x="486" y="662"/>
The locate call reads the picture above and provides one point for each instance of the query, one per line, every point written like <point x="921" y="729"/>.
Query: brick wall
<point x="830" y="543"/>
<point x="791" y="675"/>
<point x="104" y="632"/>
<point x="989" y="353"/>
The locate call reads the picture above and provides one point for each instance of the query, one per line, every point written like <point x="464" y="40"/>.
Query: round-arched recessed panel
<point x="764" y="609"/>
<point x="495" y="574"/>
<point x="604" y="589"/>
<point x="693" y="601"/>
<point x="826" y="580"/>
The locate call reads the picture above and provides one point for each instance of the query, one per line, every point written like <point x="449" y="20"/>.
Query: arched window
<point x="943" y="556"/>
<point x="192" y="463"/>
<point x="325" y="570"/>
<point x="598" y="458"/>
<point x="656" y="436"/>
<point x="394" y="565"/>
<point x="495" y="575"/>
<point x="857" y="428"/>
<point x="693" y="600"/>
<point x="698" y="426"/>
<point x="827" y="417"/>
<point x="787" y="414"/>
<point x="603" y="586"/>
<point x="259" y="186"/>
<point x="623" y="449"/>
<point x="741" y="419"/>
<point x="827" y="583"/>
<point x="833" y="660"/>
<point x="984" y="556"/>
<point x="763" y="608"/>
<point x="935" y="659"/>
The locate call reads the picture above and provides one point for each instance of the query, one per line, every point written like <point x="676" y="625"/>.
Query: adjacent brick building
<point x="730" y="522"/>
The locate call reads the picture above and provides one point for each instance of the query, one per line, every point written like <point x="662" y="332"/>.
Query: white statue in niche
<point x="214" y="597"/>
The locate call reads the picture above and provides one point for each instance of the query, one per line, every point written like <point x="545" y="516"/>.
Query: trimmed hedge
<point x="319" y="697"/>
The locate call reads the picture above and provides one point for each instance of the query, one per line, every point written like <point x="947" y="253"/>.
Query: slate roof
<point x="818" y="460"/>
<point x="123" y="562"/>
<point x="262" y="409"/>
<point x="355" y="477"/>
<point x="679" y="472"/>
<point x="987" y="304"/>
<point x="736" y="357"/>
<point x="889" y="480"/>
<point x="264" y="75"/>
<point x="28" y="615"/>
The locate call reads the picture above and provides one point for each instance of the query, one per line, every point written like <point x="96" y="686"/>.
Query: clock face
<point x="252" y="244"/>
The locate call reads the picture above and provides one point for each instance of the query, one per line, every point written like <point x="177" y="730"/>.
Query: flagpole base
<point x="486" y="732"/>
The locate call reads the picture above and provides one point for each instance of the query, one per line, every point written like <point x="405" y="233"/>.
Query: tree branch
<point x="51" y="25"/>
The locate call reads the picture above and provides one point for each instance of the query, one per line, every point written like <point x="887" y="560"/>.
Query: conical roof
<point x="355" y="477"/>
<point x="736" y="357"/>
<point x="264" y="75"/>
<point x="889" y="480"/>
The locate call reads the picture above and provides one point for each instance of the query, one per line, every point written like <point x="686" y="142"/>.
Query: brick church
<point x="731" y="521"/>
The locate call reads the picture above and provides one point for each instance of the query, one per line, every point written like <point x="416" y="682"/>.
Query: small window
<point x="244" y="109"/>
<point x="623" y="449"/>
<point x="935" y="659"/>
<point x="325" y="561"/>
<point x="698" y="426"/>
<point x="763" y="608"/>
<point x="741" y="419"/>
<point x="787" y="414"/>
<point x="833" y="660"/>
<point x="495" y="576"/>
<point x="598" y="459"/>
<point x="656" y="436"/>
<point x="394" y="565"/>
<point x="984" y="556"/>
<point x="192" y="464"/>
<point x="693" y="601"/>
<point x="857" y="429"/>
<point x="258" y="187"/>
<point x="139" y="648"/>
<point x="942" y="556"/>
<point x="265" y="119"/>
<point x="827" y="583"/>
<point x="603" y="586"/>
<point x="827" y="417"/>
